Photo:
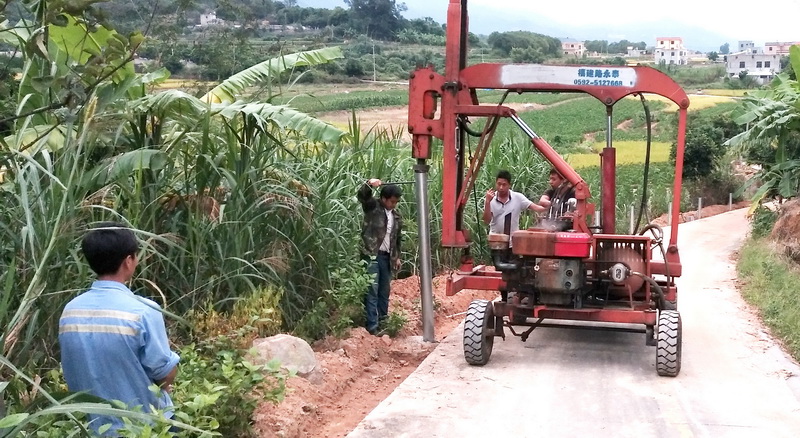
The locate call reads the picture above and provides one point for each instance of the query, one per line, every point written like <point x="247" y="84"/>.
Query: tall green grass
<point x="697" y="76"/>
<point x="770" y="283"/>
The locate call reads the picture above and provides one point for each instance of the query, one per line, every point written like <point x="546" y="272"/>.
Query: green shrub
<point x="705" y="144"/>
<point x="46" y="409"/>
<point x="394" y="323"/>
<point x="339" y="308"/>
<point x="250" y="316"/>
<point x="714" y="188"/>
<point x="762" y="221"/>
<point x="218" y="389"/>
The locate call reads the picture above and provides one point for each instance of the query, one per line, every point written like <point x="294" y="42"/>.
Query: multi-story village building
<point x="670" y="50"/>
<point x="779" y="48"/>
<point x="755" y="61"/>
<point x="746" y="45"/>
<point x="572" y="47"/>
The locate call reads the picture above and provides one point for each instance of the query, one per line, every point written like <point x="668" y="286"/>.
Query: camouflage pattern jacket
<point x="373" y="228"/>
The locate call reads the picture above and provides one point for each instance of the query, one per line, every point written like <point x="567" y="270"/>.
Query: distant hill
<point x="485" y="20"/>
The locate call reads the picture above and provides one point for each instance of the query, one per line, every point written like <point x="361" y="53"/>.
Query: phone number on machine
<point x="599" y="82"/>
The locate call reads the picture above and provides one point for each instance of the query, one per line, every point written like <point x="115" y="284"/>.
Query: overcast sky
<point x="771" y="20"/>
<point x="713" y="21"/>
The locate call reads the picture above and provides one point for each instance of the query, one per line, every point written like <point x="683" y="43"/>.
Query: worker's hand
<point x="489" y="195"/>
<point x="374" y="182"/>
<point x="397" y="264"/>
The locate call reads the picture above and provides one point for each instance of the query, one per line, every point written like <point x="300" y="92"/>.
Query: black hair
<point x="107" y="245"/>
<point x="391" y="191"/>
<point x="506" y="175"/>
<point x="553" y="171"/>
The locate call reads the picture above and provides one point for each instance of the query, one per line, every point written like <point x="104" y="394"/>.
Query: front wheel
<point x="668" y="344"/>
<point x="479" y="332"/>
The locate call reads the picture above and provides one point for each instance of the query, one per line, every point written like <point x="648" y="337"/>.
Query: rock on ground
<point x="293" y="353"/>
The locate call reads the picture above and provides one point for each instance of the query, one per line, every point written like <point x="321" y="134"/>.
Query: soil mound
<point x="786" y="232"/>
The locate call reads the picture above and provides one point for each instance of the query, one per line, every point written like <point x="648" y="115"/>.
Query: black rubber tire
<point x="668" y="345"/>
<point x="479" y="332"/>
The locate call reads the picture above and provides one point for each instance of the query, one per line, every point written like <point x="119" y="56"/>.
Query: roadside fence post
<point x="632" y="219"/>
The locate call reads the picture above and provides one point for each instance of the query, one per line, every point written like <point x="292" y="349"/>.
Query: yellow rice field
<point x="628" y="152"/>
<point x="175" y="84"/>
<point x="696" y="101"/>
<point x="725" y="92"/>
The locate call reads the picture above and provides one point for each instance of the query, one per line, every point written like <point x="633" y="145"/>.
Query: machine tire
<point x="479" y="332"/>
<point x="668" y="344"/>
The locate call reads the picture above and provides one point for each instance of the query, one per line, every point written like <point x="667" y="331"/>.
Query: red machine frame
<point x="437" y="105"/>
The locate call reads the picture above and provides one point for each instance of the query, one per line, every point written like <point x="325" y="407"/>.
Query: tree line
<point x="603" y="46"/>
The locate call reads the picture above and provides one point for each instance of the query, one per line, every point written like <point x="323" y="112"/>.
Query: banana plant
<point x="268" y="72"/>
<point x="773" y="120"/>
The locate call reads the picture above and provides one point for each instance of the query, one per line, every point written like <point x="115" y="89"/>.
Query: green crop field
<point x="569" y="125"/>
<point x="318" y="100"/>
<point x="345" y="100"/>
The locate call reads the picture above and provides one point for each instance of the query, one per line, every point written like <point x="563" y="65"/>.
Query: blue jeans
<point x="376" y="300"/>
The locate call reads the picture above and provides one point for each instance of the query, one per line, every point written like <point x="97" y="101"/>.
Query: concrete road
<point x="734" y="382"/>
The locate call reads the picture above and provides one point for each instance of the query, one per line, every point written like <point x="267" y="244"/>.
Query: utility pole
<point x="374" y="76"/>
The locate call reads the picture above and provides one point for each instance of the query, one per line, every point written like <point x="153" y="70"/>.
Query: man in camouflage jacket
<point x="380" y="235"/>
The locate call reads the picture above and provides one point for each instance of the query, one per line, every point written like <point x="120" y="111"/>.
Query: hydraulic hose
<point x="661" y="298"/>
<point x="502" y="266"/>
<point x="463" y="123"/>
<point x="643" y="205"/>
<point x="659" y="238"/>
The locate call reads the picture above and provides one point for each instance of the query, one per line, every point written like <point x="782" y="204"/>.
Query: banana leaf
<point x="227" y="91"/>
<point x="285" y="118"/>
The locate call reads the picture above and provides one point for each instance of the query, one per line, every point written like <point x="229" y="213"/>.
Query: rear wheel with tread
<point x="668" y="344"/>
<point x="479" y="332"/>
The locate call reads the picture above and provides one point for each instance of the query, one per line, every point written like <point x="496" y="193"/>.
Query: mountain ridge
<point x="485" y="20"/>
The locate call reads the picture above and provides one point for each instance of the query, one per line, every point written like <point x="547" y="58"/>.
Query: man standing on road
<point x="504" y="204"/>
<point x="380" y="234"/>
<point x="114" y="344"/>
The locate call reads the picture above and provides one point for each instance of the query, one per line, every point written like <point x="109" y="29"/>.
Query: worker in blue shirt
<point x="114" y="344"/>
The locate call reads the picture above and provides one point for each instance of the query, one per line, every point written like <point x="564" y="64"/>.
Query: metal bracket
<point x="524" y="335"/>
